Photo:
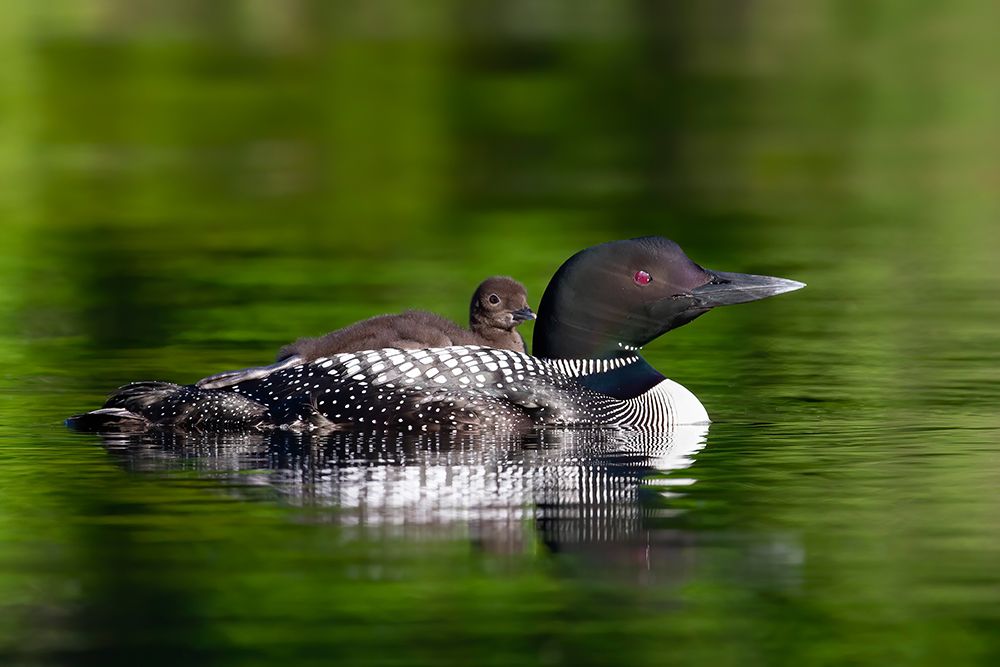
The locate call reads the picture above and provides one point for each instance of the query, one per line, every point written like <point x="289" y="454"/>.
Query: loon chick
<point x="600" y="308"/>
<point x="498" y="306"/>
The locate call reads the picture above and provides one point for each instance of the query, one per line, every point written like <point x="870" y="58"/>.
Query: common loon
<point x="599" y="309"/>
<point x="498" y="306"/>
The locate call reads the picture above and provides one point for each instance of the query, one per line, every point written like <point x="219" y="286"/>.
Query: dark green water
<point x="186" y="188"/>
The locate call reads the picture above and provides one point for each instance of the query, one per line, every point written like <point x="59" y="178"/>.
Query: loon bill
<point x="600" y="308"/>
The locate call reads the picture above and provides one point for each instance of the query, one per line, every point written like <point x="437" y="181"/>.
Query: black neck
<point x="626" y="382"/>
<point x="561" y="337"/>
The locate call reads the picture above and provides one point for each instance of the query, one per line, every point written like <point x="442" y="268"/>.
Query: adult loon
<point x="498" y="306"/>
<point x="599" y="309"/>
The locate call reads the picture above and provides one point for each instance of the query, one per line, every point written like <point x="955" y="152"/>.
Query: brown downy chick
<point x="498" y="305"/>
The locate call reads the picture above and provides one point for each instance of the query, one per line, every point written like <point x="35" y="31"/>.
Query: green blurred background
<point x="169" y="168"/>
<point x="185" y="186"/>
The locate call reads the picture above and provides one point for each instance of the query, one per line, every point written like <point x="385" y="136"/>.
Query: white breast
<point x="685" y="408"/>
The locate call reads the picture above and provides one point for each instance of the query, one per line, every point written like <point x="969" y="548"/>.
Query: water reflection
<point x="575" y="485"/>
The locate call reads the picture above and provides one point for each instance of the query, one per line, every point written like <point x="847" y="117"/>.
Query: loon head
<point x="611" y="299"/>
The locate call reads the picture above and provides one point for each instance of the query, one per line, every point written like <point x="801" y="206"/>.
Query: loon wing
<point x="230" y="378"/>
<point x="427" y="389"/>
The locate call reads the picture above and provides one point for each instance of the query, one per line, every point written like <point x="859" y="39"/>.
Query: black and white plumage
<point x="462" y="387"/>
<point x="600" y="308"/>
<point x="459" y="387"/>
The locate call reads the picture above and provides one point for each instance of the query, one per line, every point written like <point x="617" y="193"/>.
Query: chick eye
<point x="642" y="278"/>
<point x="494" y="299"/>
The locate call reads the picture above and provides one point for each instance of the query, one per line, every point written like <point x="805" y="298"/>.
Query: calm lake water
<point x="188" y="190"/>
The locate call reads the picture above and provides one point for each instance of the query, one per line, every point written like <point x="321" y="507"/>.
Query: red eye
<point x="642" y="278"/>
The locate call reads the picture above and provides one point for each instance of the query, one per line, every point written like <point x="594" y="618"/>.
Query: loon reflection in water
<point x="606" y="499"/>
<point x="578" y="485"/>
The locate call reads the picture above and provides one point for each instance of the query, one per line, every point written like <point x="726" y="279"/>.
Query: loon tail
<point x="141" y="405"/>
<point x="115" y="420"/>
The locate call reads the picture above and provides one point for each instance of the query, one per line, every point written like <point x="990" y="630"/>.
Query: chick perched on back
<point x="498" y="306"/>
